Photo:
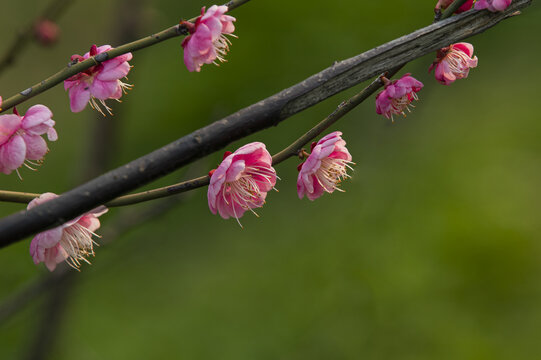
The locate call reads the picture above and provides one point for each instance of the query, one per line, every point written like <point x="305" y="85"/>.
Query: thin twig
<point x="291" y="150"/>
<point x="452" y="8"/>
<point x="256" y="117"/>
<point x="75" y="68"/>
<point x="122" y="224"/>
<point x="23" y="37"/>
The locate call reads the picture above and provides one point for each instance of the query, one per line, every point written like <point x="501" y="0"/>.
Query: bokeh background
<point x="433" y="251"/>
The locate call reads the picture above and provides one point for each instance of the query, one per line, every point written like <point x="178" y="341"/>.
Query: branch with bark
<point x="268" y="112"/>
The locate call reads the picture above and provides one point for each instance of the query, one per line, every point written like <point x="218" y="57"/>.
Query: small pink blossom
<point x="325" y="168"/>
<point x="71" y="242"/>
<point x="100" y="82"/>
<point x="207" y="41"/>
<point x="397" y="96"/>
<point x="453" y="62"/>
<point x="242" y="181"/>
<point x="46" y="32"/>
<point x="444" y="4"/>
<point x="20" y="137"/>
<point x="492" y="5"/>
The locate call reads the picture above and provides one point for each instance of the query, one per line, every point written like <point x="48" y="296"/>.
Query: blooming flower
<point x="492" y="5"/>
<point x="324" y="168"/>
<point x="444" y="4"/>
<point x="242" y="181"/>
<point x="207" y="41"/>
<point x="397" y="96"/>
<point x="20" y="140"/>
<point x="71" y="241"/>
<point x="100" y="82"/>
<point x="453" y="62"/>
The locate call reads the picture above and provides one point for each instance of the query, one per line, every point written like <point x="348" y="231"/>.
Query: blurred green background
<point x="432" y="253"/>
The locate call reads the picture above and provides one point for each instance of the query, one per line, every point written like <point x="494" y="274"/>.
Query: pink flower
<point x="242" y="181"/>
<point x="206" y="41"/>
<point x="71" y="241"/>
<point x="99" y="82"/>
<point x="20" y="139"/>
<point x="453" y="62"/>
<point x="444" y="4"/>
<point x="492" y="5"/>
<point x="46" y="32"/>
<point x="324" y="168"/>
<point x="397" y="96"/>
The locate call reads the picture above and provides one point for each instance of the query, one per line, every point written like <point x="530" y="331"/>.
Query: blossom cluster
<point x="243" y="179"/>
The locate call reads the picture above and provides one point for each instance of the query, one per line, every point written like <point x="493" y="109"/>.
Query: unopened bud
<point x="46" y="32"/>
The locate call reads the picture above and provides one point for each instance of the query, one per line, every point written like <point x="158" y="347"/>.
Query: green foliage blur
<point x="433" y="251"/>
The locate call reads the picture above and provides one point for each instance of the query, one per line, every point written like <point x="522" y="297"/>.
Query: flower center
<point x="221" y="45"/>
<point x="77" y="242"/>
<point x="398" y="105"/>
<point x="245" y="191"/>
<point x="458" y="63"/>
<point x="332" y="172"/>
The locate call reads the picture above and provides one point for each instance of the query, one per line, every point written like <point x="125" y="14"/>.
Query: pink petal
<point x="9" y="124"/>
<point x="79" y="97"/>
<point x="103" y="90"/>
<point x="500" y="5"/>
<point x="12" y="154"/>
<point x="466" y="48"/>
<point x="480" y="4"/>
<point x="109" y="73"/>
<point x="36" y="147"/>
<point x="52" y="135"/>
<point x="235" y="170"/>
<point x="36" y="115"/>
<point x="41" y="199"/>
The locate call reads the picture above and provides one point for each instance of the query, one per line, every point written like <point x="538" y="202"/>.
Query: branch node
<point x="181" y="29"/>
<point x="26" y="92"/>
<point x="101" y="57"/>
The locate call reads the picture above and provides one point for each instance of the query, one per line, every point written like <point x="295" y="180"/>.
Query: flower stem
<point x="75" y="68"/>
<point x="452" y="8"/>
<point x="263" y="114"/>
<point x="290" y="151"/>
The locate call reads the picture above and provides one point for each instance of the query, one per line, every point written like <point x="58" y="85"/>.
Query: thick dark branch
<point x="268" y="112"/>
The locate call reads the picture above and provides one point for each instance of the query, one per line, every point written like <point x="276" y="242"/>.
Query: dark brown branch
<point x="268" y="112"/>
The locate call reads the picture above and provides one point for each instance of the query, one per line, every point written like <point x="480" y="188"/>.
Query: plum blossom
<point x="71" y="242"/>
<point x="242" y="181"/>
<point x="20" y="140"/>
<point x="207" y="41"/>
<point x="46" y="32"/>
<point x="453" y="62"/>
<point x="397" y="96"/>
<point x="325" y="167"/>
<point x="98" y="83"/>
<point x="444" y="4"/>
<point x="492" y="5"/>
